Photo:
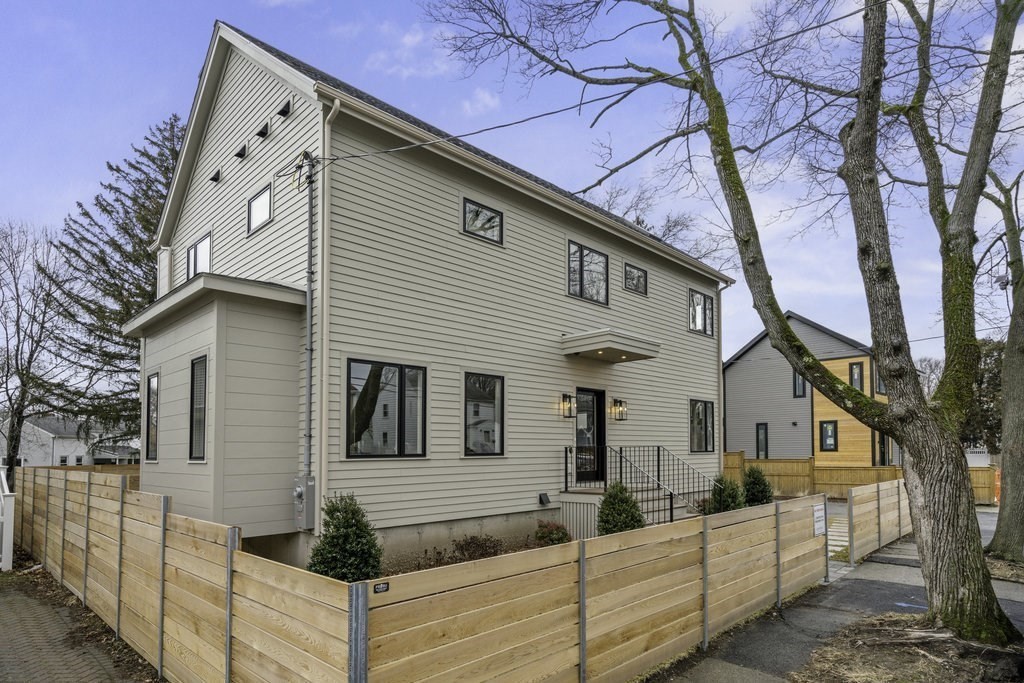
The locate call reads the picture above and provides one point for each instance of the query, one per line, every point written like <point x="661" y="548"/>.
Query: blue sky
<point x="85" y="79"/>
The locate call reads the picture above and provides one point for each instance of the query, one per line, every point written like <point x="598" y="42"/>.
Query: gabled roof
<point x="55" y="425"/>
<point x="316" y="83"/>
<point x="790" y="315"/>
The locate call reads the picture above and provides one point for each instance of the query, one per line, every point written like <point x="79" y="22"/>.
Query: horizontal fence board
<point x="634" y="655"/>
<point x="300" y="664"/>
<point x="320" y="615"/>
<point x="309" y="639"/>
<point x="683" y="581"/>
<point x="319" y="588"/>
<point x="198" y="637"/>
<point x="632" y="539"/>
<point x="614" y="561"/>
<point x="508" y="663"/>
<point x="182" y="664"/>
<point x="211" y="532"/>
<point x="724" y="519"/>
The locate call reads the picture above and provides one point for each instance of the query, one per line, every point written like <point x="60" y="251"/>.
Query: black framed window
<point x="761" y="428"/>
<point x="702" y="313"/>
<point x="484" y="414"/>
<point x="702" y="426"/>
<point x="588" y="273"/>
<point x="879" y="382"/>
<point x="828" y="435"/>
<point x="260" y="209"/>
<point x="799" y="386"/>
<point x="373" y="429"/>
<point x="197" y="411"/>
<point x="152" y="414"/>
<point x="634" y="279"/>
<point x="483" y="222"/>
<point x="857" y="376"/>
<point x="197" y="257"/>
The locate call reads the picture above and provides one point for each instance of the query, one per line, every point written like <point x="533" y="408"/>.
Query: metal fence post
<point x="824" y="499"/>
<point x="704" y="581"/>
<point x="229" y="590"/>
<point x="46" y="520"/>
<point x="849" y="523"/>
<point x="120" y="554"/>
<point x="163" y="569"/>
<point x="85" y="542"/>
<point x="778" y="558"/>
<point x="358" y="629"/>
<point x="583" y="611"/>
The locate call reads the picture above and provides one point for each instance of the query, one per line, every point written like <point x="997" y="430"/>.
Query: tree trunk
<point x="960" y="594"/>
<point x="15" y="422"/>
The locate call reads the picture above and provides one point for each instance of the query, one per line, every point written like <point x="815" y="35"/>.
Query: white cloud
<point x="483" y="101"/>
<point x="413" y="55"/>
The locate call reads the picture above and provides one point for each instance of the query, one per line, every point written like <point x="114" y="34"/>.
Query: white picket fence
<point x="6" y="525"/>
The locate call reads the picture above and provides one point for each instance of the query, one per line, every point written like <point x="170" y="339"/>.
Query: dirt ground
<point x="86" y="626"/>
<point x="898" y="647"/>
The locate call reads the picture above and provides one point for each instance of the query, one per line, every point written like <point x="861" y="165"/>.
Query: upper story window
<point x="702" y="313"/>
<point x="483" y="222"/>
<point x="197" y="257"/>
<point x="635" y="279"/>
<point x="260" y="210"/>
<point x="373" y="386"/>
<point x="799" y="386"/>
<point x="484" y="415"/>
<point x="857" y="376"/>
<point x="588" y="273"/>
<point x="702" y="426"/>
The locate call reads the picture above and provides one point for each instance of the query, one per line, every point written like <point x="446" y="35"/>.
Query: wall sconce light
<point x="794" y="423"/>
<point x="264" y="131"/>
<point x="242" y="151"/>
<point x="215" y="178"/>
<point x="568" y="405"/>
<point x="620" y="411"/>
<point x="544" y="499"/>
<point x="285" y="109"/>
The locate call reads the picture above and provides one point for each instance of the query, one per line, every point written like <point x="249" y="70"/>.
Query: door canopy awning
<point x="612" y="346"/>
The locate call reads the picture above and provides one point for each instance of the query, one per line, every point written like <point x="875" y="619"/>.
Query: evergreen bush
<point x="619" y="511"/>
<point x="757" y="489"/>
<point x="727" y="495"/>
<point x="348" y="549"/>
<point x="551" y="533"/>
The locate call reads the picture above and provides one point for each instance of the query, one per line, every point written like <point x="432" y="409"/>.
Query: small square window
<point x="483" y="222"/>
<point x="197" y="257"/>
<point x="635" y="279"/>
<point x="828" y="435"/>
<point x="702" y="313"/>
<point x="259" y="209"/>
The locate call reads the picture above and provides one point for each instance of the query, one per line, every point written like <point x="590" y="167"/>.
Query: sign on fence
<point x="819" y="520"/>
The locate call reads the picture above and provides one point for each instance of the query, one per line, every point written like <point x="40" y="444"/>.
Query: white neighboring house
<point x="55" y="441"/>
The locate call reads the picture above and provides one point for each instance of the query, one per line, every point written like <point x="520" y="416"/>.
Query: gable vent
<point x="285" y="109"/>
<point x="264" y="131"/>
<point x="242" y="151"/>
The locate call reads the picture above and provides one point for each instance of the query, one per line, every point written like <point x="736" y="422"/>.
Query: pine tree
<point x="105" y="251"/>
<point x="619" y="511"/>
<point x="757" y="490"/>
<point x="348" y="549"/>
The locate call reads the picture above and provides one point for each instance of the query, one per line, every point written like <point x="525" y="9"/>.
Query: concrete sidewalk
<point x="766" y="650"/>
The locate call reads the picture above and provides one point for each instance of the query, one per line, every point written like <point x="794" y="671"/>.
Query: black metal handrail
<point x="689" y="485"/>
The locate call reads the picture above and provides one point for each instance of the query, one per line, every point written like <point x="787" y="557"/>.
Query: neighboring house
<point x="772" y="412"/>
<point x="57" y="441"/>
<point x="457" y="303"/>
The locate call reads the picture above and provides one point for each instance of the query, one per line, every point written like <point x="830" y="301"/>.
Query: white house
<point x="449" y="337"/>
<point x="58" y="441"/>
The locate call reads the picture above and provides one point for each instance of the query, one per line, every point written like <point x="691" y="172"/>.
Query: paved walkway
<point x="33" y="645"/>
<point x="768" y="649"/>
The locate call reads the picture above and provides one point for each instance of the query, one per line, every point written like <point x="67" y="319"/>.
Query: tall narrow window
<point x="197" y="411"/>
<point x="197" y="257"/>
<point x="799" y="386"/>
<point x="857" y="376"/>
<point x="828" y="435"/>
<point x="762" y="440"/>
<point x="879" y="383"/>
<point x="484" y="414"/>
<point x="375" y="430"/>
<point x="260" y="209"/>
<point x="702" y="426"/>
<point x="480" y="221"/>
<point x="702" y="313"/>
<point x="152" y="414"/>
<point x="588" y="273"/>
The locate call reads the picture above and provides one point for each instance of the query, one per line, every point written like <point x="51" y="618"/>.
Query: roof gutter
<point x="408" y="130"/>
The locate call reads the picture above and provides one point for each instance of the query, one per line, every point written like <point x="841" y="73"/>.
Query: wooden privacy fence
<point x="800" y="476"/>
<point x="605" y="609"/>
<point x="877" y="515"/>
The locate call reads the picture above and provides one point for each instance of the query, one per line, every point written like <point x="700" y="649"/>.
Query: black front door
<point x="590" y="443"/>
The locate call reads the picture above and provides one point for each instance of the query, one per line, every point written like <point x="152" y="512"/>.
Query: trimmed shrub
<point x="757" y="490"/>
<point x="727" y="495"/>
<point x="619" y="511"/>
<point x="551" y="533"/>
<point x="348" y="549"/>
<point x="476" y="548"/>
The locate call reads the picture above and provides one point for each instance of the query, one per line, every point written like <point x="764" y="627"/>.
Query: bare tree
<point x="28" y="311"/>
<point x="843" y="122"/>
<point x="930" y="371"/>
